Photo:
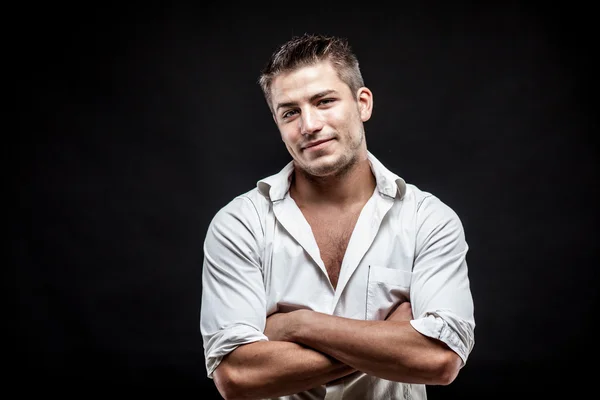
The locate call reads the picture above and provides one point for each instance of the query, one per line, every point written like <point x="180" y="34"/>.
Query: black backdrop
<point x="136" y="124"/>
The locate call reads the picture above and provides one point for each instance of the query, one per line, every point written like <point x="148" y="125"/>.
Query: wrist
<point x="299" y="325"/>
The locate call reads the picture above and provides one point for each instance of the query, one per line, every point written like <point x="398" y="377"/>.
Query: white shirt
<point x="260" y="256"/>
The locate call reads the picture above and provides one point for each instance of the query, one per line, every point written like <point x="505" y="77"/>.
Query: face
<point x="320" y="119"/>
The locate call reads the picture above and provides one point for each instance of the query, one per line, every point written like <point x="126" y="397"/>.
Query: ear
<point x="364" y="98"/>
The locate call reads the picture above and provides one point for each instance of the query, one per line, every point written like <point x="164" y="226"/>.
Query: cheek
<point x="285" y="138"/>
<point x="343" y="121"/>
<point x="289" y="140"/>
<point x="344" y="127"/>
<point x="289" y="134"/>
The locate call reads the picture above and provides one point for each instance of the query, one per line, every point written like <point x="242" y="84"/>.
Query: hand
<point x="403" y="312"/>
<point x="280" y="326"/>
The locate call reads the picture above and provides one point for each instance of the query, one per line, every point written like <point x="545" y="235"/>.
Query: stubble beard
<point x="339" y="168"/>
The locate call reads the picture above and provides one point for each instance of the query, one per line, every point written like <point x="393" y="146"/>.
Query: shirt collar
<point x="389" y="184"/>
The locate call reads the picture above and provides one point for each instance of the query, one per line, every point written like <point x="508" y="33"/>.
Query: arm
<point x="239" y="356"/>
<point x="390" y="349"/>
<point x="274" y="368"/>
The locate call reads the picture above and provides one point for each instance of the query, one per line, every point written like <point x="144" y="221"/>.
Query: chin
<point x="324" y="166"/>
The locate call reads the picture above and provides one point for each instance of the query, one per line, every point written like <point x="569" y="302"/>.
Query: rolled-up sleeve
<point x="440" y="289"/>
<point x="232" y="311"/>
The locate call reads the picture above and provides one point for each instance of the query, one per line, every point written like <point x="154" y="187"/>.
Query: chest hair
<point x="332" y="233"/>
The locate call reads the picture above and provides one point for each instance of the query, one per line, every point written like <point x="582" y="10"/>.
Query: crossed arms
<point x="307" y="349"/>
<point x="292" y="352"/>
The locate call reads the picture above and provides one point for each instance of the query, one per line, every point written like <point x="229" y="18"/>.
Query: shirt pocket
<point x="386" y="288"/>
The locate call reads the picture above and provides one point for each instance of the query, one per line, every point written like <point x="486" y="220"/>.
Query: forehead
<point x="305" y="82"/>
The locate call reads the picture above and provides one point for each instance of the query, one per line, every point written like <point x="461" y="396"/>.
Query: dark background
<point x="135" y="124"/>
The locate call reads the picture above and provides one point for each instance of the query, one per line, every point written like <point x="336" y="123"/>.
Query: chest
<point x="365" y="267"/>
<point x="332" y="232"/>
<point x="331" y="262"/>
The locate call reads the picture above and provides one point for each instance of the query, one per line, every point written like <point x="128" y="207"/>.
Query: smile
<point x="319" y="144"/>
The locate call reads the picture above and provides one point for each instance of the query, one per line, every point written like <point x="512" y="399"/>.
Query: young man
<point x="333" y="279"/>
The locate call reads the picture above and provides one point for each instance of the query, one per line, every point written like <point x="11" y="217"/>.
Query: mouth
<point x="315" y="144"/>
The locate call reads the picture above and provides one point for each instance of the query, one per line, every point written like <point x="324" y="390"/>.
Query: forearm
<point x="392" y="350"/>
<point x="274" y="368"/>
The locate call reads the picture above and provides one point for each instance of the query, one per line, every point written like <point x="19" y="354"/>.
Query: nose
<point x="310" y="122"/>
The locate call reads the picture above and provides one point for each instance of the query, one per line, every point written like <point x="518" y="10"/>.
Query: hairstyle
<point x="310" y="49"/>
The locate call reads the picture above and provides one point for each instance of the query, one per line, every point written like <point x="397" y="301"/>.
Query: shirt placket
<point x="334" y="391"/>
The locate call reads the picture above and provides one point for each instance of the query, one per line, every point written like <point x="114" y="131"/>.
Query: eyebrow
<point x="312" y="98"/>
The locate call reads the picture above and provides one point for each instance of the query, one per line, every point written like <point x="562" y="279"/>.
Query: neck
<point x="355" y="184"/>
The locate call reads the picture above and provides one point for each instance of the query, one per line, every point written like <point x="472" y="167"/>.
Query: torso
<point x="332" y="223"/>
<point x="332" y="231"/>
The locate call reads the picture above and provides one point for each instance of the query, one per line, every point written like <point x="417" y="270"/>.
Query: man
<point x="311" y="279"/>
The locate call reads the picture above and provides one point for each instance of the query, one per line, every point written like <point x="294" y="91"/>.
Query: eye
<point x="288" y="114"/>
<point x="325" y="101"/>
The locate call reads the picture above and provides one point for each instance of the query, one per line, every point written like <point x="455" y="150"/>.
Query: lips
<point x="315" y="143"/>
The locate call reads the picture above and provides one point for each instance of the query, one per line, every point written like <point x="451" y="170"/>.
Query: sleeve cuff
<point x="433" y="326"/>
<point x="225" y="341"/>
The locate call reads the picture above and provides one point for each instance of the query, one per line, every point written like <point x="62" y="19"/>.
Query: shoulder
<point x="429" y="210"/>
<point x="425" y="202"/>
<point x="245" y="206"/>
<point x="243" y="214"/>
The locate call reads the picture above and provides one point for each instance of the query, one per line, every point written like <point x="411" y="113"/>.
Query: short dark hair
<point x="309" y="49"/>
